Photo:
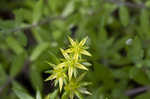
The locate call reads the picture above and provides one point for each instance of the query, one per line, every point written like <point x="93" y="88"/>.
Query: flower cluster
<point x="66" y="72"/>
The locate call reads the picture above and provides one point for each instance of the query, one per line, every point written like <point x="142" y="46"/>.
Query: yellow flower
<point x="71" y="64"/>
<point x="64" y="71"/>
<point x="75" y="87"/>
<point x="77" y="48"/>
<point x="59" y="76"/>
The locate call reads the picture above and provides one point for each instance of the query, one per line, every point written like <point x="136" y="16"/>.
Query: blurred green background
<point x="32" y="31"/>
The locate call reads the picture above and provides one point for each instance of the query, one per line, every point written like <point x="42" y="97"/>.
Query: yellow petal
<point x="75" y="72"/>
<point x="69" y="50"/>
<point x="64" y="54"/>
<point x="51" y="77"/>
<point x="60" y="83"/>
<point x="61" y="65"/>
<point x="53" y="65"/>
<point x="76" y="56"/>
<point x="72" y="42"/>
<point x="80" y="66"/>
<point x="70" y="71"/>
<point x="85" y="52"/>
<point x="83" y="41"/>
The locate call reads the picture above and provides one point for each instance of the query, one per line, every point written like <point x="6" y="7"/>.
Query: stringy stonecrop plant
<point x="66" y="73"/>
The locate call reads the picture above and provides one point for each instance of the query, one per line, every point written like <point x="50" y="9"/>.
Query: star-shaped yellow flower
<point x="78" y="48"/>
<point x="65" y="73"/>
<point x="59" y="76"/>
<point x="71" y="64"/>
<point x="76" y="87"/>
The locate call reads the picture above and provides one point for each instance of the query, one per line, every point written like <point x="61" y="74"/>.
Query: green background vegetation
<point x="32" y="31"/>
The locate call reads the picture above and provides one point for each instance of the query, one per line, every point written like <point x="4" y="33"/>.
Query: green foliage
<point x="21" y="92"/>
<point x="37" y="11"/>
<point x="17" y="64"/>
<point x="38" y="50"/>
<point x="32" y="31"/>
<point x="36" y="78"/>
<point x="124" y="15"/>
<point x="14" y="45"/>
<point x="3" y="75"/>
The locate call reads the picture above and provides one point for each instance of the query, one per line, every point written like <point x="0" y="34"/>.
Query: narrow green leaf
<point x="14" y="45"/>
<point x="22" y="95"/>
<point x="135" y="51"/>
<point x="144" y="20"/>
<point x="20" y="92"/>
<point x="147" y="3"/>
<point x="124" y="15"/>
<point x="21" y="37"/>
<point x="37" y="11"/>
<point x="3" y="75"/>
<point x="17" y="64"/>
<point x="37" y="34"/>
<point x="36" y="79"/>
<point x="68" y="9"/>
<point x="54" y="59"/>
<point x="38" y="50"/>
<point x="17" y="85"/>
